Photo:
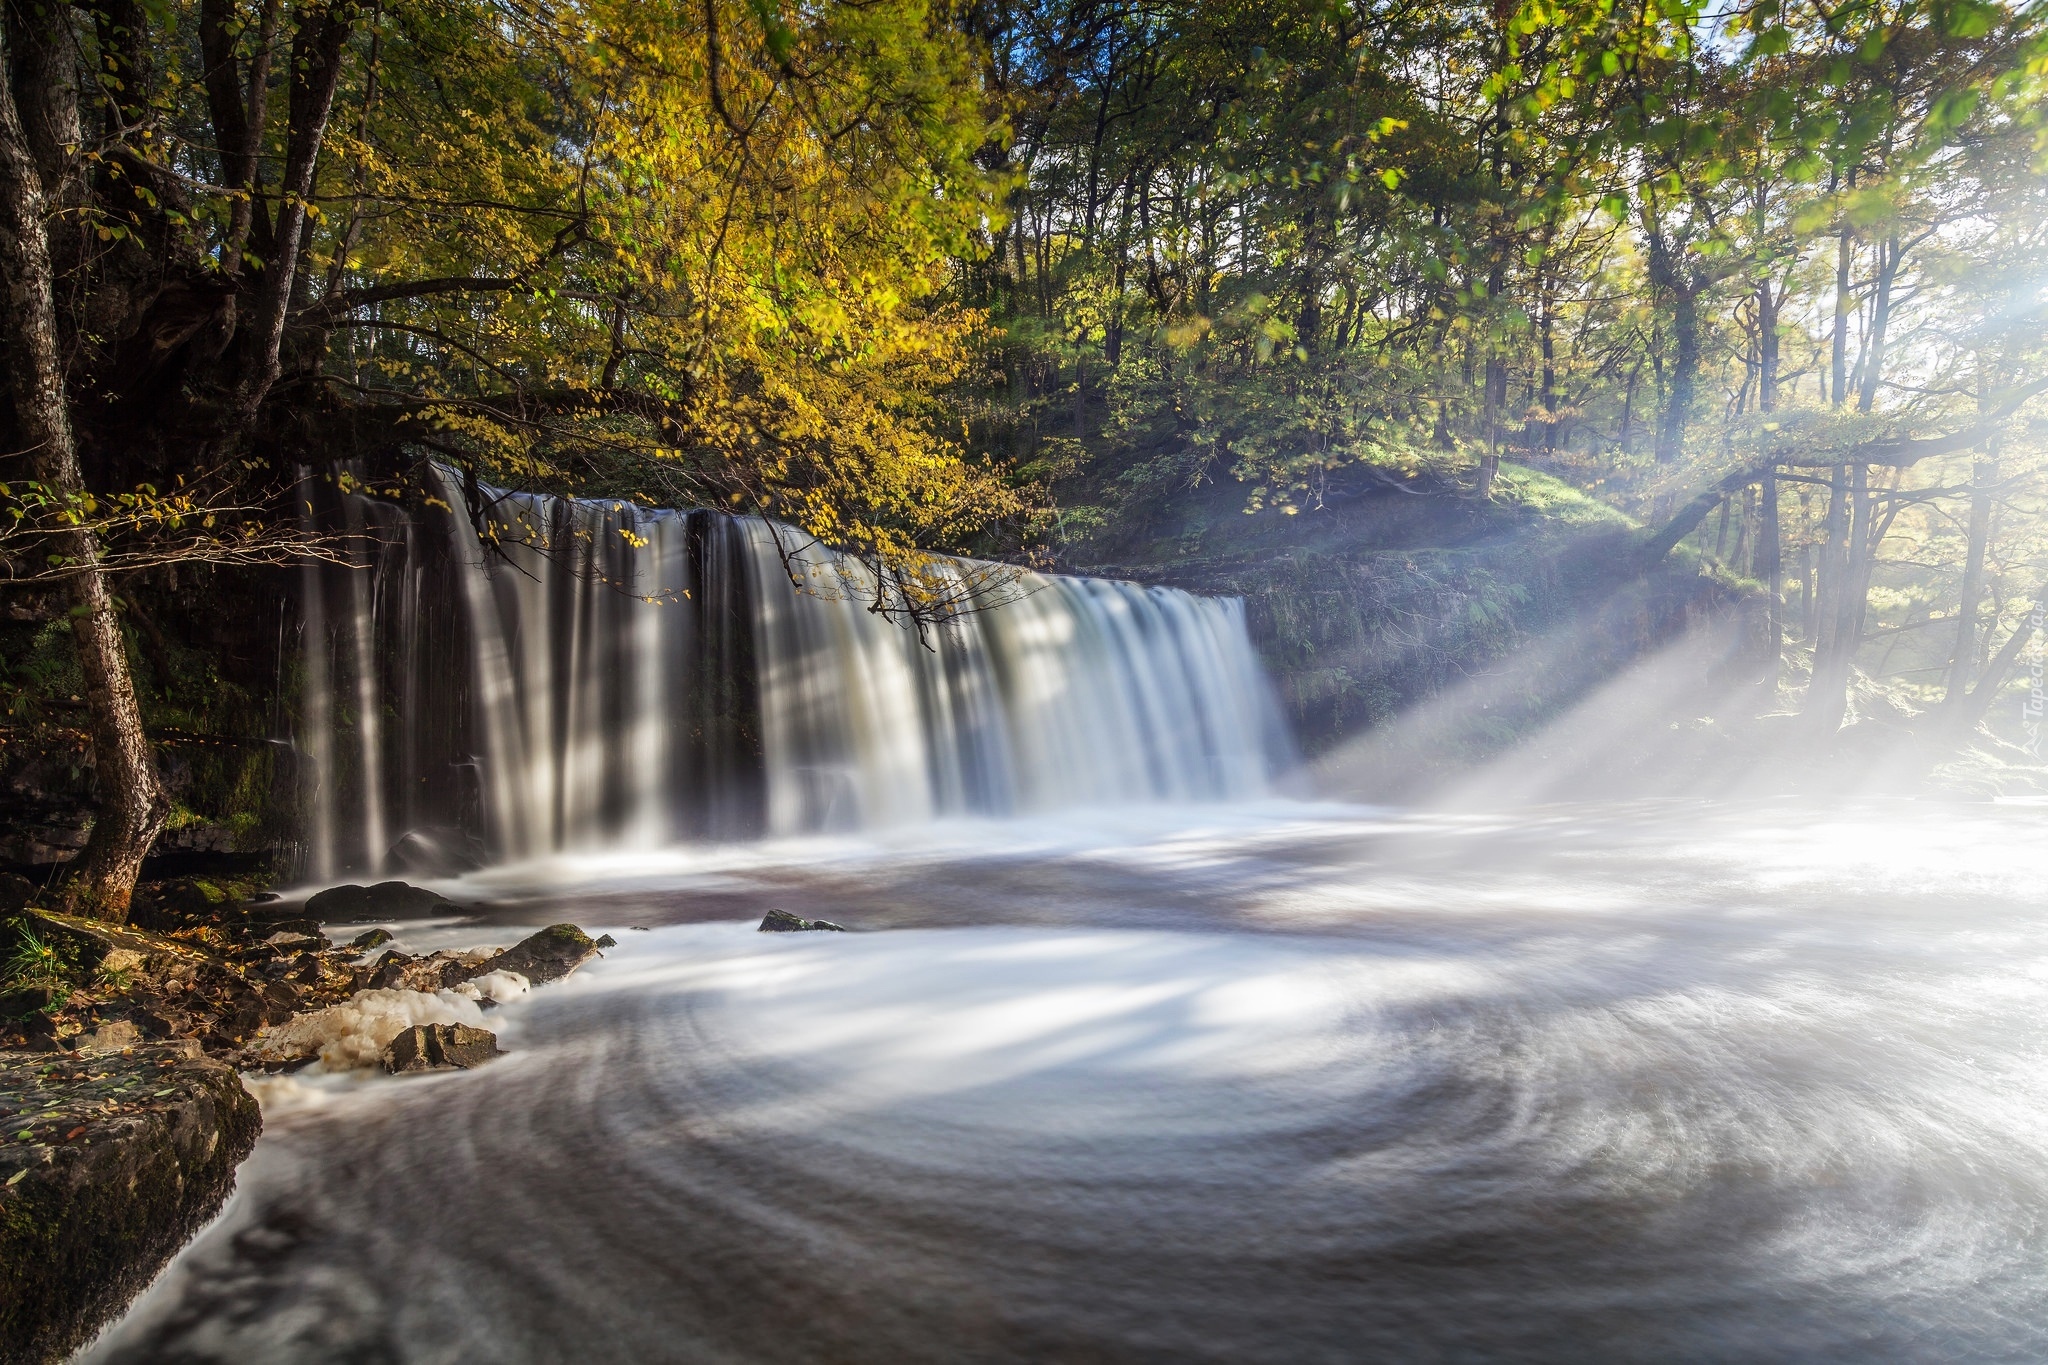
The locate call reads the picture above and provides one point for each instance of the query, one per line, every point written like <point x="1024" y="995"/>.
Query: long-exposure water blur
<point x="1671" y="1080"/>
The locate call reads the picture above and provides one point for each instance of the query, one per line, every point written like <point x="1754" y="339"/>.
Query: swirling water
<point x="1280" y="1083"/>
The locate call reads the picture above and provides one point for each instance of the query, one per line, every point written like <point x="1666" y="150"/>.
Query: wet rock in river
<point x="439" y="1047"/>
<point x="782" y="922"/>
<point x="384" y="901"/>
<point x="436" y="851"/>
<point x="547" y="956"/>
<point x="387" y="972"/>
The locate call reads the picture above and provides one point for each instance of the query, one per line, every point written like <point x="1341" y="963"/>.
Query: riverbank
<point x="123" y="1112"/>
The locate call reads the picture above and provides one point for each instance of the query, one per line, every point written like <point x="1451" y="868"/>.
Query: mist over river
<point x="1268" y="1082"/>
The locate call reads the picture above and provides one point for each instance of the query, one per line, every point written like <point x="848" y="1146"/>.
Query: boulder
<point x="105" y="1171"/>
<point x="436" y="851"/>
<point x="438" y="1047"/>
<point x="782" y="922"/>
<point x="385" y="901"/>
<point x="547" y="956"/>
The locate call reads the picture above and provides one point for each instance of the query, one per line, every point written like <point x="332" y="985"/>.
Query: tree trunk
<point x="1983" y="476"/>
<point x="316" y="73"/>
<point x="1770" y="568"/>
<point x="1685" y="364"/>
<point x="43" y="64"/>
<point x="1838" y="389"/>
<point x="1493" y="399"/>
<point x="1970" y="712"/>
<point x="132" y="805"/>
<point x="1767" y="346"/>
<point x="1824" y="691"/>
<point x="1548" y="394"/>
<point x="1872" y="363"/>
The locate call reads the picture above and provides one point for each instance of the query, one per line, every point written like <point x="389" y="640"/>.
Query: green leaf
<point x="1771" y="42"/>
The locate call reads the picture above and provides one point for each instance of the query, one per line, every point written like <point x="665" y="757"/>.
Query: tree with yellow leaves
<point x="685" y="249"/>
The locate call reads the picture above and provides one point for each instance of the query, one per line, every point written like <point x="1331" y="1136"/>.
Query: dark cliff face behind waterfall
<point x="620" y="676"/>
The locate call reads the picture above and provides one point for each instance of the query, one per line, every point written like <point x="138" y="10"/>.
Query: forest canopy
<point x="1022" y="279"/>
<point x="1768" y="277"/>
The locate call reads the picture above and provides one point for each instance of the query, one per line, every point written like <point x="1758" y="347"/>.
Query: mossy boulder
<point x="108" y="1164"/>
<point x="549" y="955"/>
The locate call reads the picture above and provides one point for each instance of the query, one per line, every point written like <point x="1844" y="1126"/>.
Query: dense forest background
<point x="1479" y="345"/>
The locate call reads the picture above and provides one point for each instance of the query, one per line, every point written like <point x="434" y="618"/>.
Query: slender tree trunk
<point x="1872" y="362"/>
<point x="1769" y="554"/>
<point x="1767" y="346"/>
<point x="316" y="73"/>
<point x="1827" y="696"/>
<point x="1838" y="368"/>
<point x="1829" y="587"/>
<point x="1548" y="395"/>
<point x="238" y="120"/>
<point x="1495" y="397"/>
<point x="1113" y="336"/>
<point x="1809" y="596"/>
<point x="1685" y="364"/>
<point x="1770" y="568"/>
<point x="132" y="805"/>
<point x="1983" y="476"/>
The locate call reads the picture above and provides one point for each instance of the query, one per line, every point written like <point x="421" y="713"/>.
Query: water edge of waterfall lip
<point x="563" y="676"/>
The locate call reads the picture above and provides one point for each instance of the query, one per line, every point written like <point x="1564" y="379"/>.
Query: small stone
<point x="782" y="922"/>
<point x="389" y="971"/>
<point x="122" y="960"/>
<point x="439" y="1047"/>
<point x="371" y="938"/>
<point x="115" y="1036"/>
<point x="607" y="941"/>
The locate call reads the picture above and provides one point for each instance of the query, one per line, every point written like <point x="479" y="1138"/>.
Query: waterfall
<point x="589" y="674"/>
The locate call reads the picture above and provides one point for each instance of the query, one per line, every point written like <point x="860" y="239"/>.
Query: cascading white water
<point x="1073" y="691"/>
<point x="631" y="677"/>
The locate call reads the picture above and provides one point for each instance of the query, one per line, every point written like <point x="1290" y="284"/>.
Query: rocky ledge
<point x="108" y="1163"/>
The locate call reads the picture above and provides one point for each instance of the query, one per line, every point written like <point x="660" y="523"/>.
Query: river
<point x="1268" y="1081"/>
